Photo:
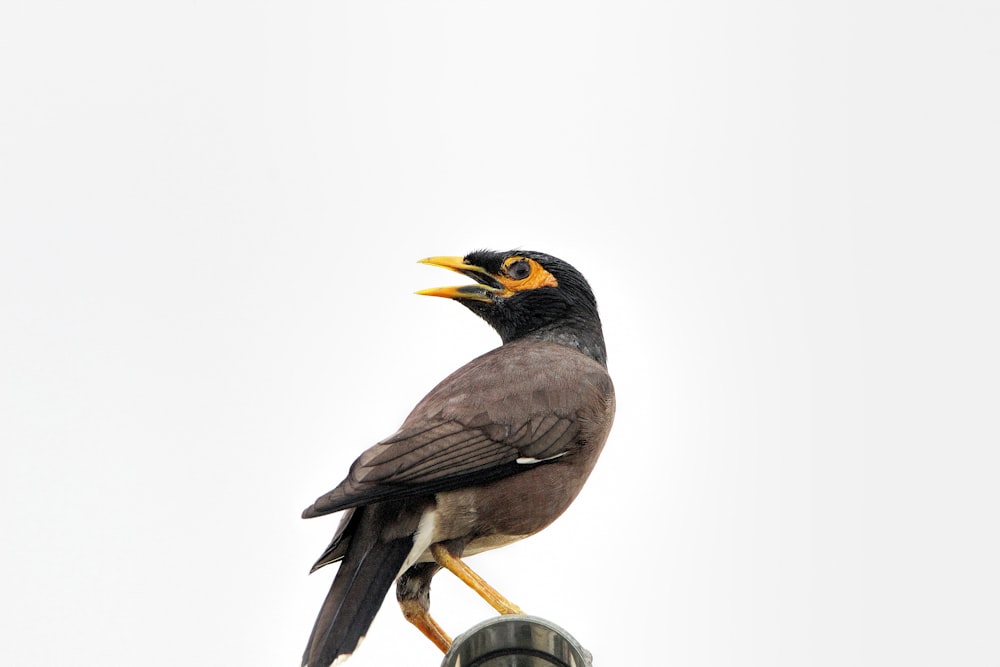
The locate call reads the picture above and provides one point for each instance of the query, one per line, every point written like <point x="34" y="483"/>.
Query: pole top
<point x="516" y="640"/>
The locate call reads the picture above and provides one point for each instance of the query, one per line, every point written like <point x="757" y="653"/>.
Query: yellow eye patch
<point x="522" y="273"/>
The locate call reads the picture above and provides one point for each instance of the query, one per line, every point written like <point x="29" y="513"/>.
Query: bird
<point x="493" y="454"/>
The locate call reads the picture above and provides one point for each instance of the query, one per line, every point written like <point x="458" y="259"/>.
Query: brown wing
<point x="520" y="405"/>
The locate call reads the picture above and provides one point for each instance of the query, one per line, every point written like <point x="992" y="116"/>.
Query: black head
<point x="527" y="294"/>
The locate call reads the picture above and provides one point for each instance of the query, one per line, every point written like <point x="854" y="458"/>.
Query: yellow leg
<point x="473" y="580"/>
<point x="421" y="618"/>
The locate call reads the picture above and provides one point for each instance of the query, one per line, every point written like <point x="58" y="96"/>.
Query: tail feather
<point x="357" y="592"/>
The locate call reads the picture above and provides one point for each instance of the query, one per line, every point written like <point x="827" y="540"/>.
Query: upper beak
<point x="485" y="290"/>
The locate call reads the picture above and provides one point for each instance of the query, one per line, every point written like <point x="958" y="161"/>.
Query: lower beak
<point x="467" y="292"/>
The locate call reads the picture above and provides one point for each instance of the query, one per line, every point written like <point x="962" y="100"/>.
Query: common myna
<point x="494" y="453"/>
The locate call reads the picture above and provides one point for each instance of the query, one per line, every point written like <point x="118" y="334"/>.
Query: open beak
<point x="486" y="289"/>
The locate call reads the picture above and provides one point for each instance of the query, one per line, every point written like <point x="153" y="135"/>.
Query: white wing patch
<point x="529" y="460"/>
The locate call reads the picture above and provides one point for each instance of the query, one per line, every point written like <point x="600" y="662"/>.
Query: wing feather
<point x="471" y="428"/>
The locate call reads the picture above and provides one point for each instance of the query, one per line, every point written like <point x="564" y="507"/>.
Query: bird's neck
<point x="588" y="340"/>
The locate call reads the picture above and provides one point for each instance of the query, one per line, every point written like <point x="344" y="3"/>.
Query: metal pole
<point x="516" y="641"/>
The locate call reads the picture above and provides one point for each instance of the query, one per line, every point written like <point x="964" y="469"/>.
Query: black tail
<point x="364" y="577"/>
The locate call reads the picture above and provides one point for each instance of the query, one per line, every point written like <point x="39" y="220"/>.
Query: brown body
<point x="578" y="400"/>
<point x="528" y="399"/>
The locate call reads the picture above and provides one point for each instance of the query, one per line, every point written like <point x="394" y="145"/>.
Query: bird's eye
<point x="519" y="269"/>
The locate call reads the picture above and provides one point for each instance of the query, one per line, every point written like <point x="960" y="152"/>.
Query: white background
<point x="210" y="215"/>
